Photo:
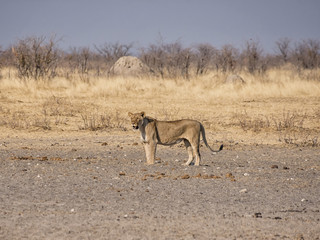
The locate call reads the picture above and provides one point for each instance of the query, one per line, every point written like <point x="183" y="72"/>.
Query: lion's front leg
<point x="150" y="149"/>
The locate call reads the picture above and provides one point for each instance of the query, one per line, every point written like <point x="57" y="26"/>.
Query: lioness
<point x="155" y="132"/>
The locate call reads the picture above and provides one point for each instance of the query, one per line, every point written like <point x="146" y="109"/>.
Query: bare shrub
<point x="36" y="57"/>
<point x="289" y="121"/>
<point x="111" y="52"/>
<point x="44" y="122"/>
<point x="306" y="54"/>
<point x="1" y="60"/>
<point x="283" y="47"/>
<point x="178" y="60"/>
<point x="255" y="124"/>
<point x="167" y="59"/>
<point x="299" y="140"/>
<point x="21" y="120"/>
<point x="203" y="57"/>
<point x="58" y="106"/>
<point x="78" y="61"/>
<point x="95" y="121"/>
<point x="1" y="57"/>
<point x="18" y="120"/>
<point x="154" y="57"/>
<point x="227" y="58"/>
<point x="252" y="57"/>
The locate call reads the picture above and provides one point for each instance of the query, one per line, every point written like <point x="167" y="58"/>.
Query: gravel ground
<point x="98" y="187"/>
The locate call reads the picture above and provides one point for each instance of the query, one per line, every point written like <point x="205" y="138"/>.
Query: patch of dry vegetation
<point x="280" y="106"/>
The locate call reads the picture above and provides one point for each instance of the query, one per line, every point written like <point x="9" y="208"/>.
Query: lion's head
<point x="136" y="119"/>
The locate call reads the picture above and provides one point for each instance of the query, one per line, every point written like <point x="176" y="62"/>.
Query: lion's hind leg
<point x="190" y="152"/>
<point x="195" y="148"/>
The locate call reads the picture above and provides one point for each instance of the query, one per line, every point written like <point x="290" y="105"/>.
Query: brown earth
<point x="95" y="185"/>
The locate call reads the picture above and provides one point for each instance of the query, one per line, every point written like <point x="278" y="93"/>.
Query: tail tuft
<point x="221" y="147"/>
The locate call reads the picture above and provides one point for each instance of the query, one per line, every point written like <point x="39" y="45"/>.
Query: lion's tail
<point x="205" y="140"/>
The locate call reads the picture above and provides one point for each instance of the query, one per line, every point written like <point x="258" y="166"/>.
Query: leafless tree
<point x="203" y="57"/>
<point x="154" y="58"/>
<point x="177" y="59"/>
<point x="227" y="58"/>
<point x="36" y="57"/>
<point x="307" y="54"/>
<point x="113" y="51"/>
<point x="252" y="56"/>
<point x="78" y="61"/>
<point x="1" y="57"/>
<point x="283" y="46"/>
<point x="167" y="59"/>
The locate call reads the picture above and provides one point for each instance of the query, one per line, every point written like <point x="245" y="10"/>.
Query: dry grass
<point x="281" y="106"/>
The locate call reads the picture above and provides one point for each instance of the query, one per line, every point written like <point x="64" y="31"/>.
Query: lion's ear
<point x="130" y="114"/>
<point x="142" y="114"/>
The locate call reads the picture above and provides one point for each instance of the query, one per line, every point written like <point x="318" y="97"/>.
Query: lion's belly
<point x="169" y="141"/>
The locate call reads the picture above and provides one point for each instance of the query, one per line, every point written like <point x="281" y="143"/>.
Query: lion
<point x="167" y="133"/>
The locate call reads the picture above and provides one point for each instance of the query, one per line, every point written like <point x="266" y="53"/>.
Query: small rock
<point x="243" y="191"/>
<point x="122" y="173"/>
<point x="258" y="215"/>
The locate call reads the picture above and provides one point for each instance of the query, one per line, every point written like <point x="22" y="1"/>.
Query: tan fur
<point x="155" y="132"/>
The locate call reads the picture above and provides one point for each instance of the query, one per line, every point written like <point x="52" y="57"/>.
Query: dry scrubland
<point x="278" y="107"/>
<point x="71" y="168"/>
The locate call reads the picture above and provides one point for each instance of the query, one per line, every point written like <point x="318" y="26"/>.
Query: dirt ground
<point x="95" y="185"/>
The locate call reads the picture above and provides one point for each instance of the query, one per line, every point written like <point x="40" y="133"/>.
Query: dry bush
<point x="98" y="121"/>
<point x="289" y="121"/>
<point x="290" y="127"/>
<point x="203" y="57"/>
<point x="227" y="58"/>
<point x="283" y="46"/>
<point x="255" y="124"/>
<point x="167" y="60"/>
<point x="302" y="139"/>
<point x="21" y="120"/>
<point x="306" y="54"/>
<point x="58" y="106"/>
<point x="36" y="57"/>
<point x="111" y="52"/>
<point x="252" y="57"/>
<point x="79" y="62"/>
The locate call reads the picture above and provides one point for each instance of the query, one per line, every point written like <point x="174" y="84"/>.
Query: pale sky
<point x="83" y="23"/>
